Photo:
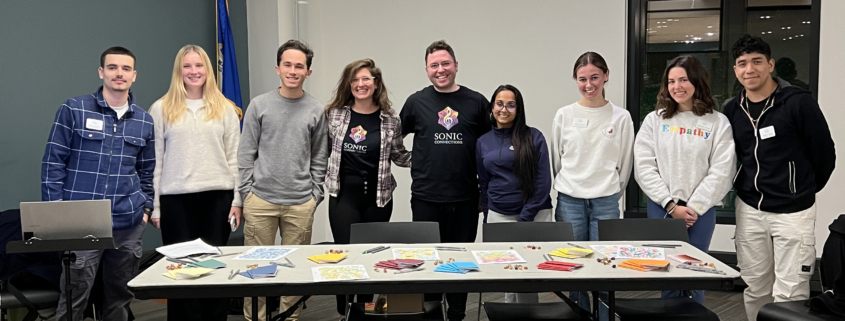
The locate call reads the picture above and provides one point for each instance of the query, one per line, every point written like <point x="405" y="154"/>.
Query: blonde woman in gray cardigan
<point x="196" y="175"/>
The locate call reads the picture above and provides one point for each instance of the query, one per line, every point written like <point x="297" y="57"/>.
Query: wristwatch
<point x="148" y="211"/>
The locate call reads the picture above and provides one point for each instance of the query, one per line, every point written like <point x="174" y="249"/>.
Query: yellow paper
<point x="327" y="258"/>
<point x="571" y="253"/>
<point x="186" y="273"/>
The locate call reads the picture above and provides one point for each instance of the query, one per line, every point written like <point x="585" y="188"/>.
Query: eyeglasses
<point x="511" y="107"/>
<point x="444" y="64"/>
<point x="365" y="80"/>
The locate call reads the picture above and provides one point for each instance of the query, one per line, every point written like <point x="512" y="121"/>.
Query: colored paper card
<point x="559" y="266"/>
<point x="607" y="250"/>
<point x="466" y="266"/>
<point x="327" y="258"/>
<point x="186" y="273"/>
<point x="267" y="271"/>
<point x="449" y="268"/>
<point x="263" y="253"/>
<point x="683" y="258"/>
<point x="645" y="265"/>
<point x="425" y="254"/>
<point x="637" y="252"/>
<point x="497" y="257"/>
<point x="339" y="273"/>
<point x="210" y="264"/>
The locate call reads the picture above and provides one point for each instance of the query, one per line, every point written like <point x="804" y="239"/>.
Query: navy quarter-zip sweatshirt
<point x="499" y="187"/>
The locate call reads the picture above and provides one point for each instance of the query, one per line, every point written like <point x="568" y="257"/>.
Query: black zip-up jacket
<point x="782" y="173"/>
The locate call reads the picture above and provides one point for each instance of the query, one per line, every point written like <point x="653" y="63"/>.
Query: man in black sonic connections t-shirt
<point x="446" y="119"/>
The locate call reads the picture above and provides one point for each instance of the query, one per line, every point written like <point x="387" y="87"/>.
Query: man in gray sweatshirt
<point x="282" y="161"/>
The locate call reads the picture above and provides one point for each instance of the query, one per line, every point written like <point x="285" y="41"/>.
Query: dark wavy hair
<point x="294" y="44"/>
<point x="702" y="102"/>
<point x="525" y="157"/>
<point x="342" y="95"/>
<point x="751" y="44"/>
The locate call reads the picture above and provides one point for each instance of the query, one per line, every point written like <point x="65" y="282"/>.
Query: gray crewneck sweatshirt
<point x="283" y="152"/>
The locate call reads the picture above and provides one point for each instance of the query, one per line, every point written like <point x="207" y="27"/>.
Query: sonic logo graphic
<point x="358" y="134"/>
<point x="447" y="118"/>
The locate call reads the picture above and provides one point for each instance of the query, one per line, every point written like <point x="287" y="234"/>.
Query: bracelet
<point x="672" y="209"/>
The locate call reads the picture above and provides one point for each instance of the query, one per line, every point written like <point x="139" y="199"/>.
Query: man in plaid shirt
<point x="101" y="146"/>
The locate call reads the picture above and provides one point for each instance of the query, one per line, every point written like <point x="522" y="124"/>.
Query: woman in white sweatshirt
<point x="196" y="178"/>
<point x="592" y="146"/>
<point x="684" y="155"/>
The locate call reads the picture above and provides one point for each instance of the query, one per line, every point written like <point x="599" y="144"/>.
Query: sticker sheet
<point x="339" y="273"/>
<point x="259" y="253"/>
<point x="497" y="257"/>
<point x="425" y="254"/>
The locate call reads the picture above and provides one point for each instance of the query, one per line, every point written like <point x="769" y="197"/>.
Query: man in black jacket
<point x="786" y="156"/>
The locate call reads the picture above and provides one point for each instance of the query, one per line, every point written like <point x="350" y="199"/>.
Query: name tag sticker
<point x="580" y="122"/>
<point x="705" y="125"/>
<point x="94" y="124"/>
<point x="767" y="132"/>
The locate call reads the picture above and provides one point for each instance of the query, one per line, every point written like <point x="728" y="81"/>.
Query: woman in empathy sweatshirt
<point x="592" y="148"/>
<point x="196" y="175"/>
<point x="684" y="156"/>
<point x="513" y="169"/>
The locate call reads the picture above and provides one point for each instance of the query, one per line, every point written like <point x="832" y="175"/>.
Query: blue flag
<point x="227" y="66"/>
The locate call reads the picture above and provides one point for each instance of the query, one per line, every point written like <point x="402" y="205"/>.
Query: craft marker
<point x="220" y="255"/>
<point x="178" y="261"/>
<point x="576" y="245"/>
<point x="379" y="250"/>
<point x="233" y="275"/>
<point x="289" y="262"/>
<point x="662" y="245"/>
<point x="373" y="249"/>
<point x="701" y="269"/>
<point x="450" y="249"/>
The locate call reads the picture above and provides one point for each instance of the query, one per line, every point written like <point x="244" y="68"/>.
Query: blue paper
<point x="267" y="271"/>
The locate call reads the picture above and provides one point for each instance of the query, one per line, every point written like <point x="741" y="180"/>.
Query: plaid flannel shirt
<point x="392" y="149"/>
<point x="91" y="154"/>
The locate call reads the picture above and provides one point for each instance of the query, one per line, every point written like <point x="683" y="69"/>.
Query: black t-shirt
<point x="445" y="128"/>
<point x="361" y="144"/>
<point x="755" y="109"/>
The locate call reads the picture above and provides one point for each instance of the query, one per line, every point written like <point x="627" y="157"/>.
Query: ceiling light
<point x="709" y="27"/>
<point x="790" y="38"/>
<point x="710" y="34"/>
<point x="677" y="19"/>
<point x="770" y="32"/>
<point x="784" y="38"/>
<point x="782" y="28"/>
<point x="763" y="32"/>
<point x="668" y="19"/>
<point x="768" y="17"/>
<point x="788" y="27"/>
<point x="762" y="17"/>
<point x="802" y="35"/>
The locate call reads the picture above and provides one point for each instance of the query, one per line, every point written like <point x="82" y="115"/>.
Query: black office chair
<point x="530" y="232"/>
<point x="31" y="295"/>
<point x="644" y="229"/>
<point x="396" y="232"/>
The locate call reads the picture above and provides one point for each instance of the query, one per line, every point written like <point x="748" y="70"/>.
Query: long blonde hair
<point x="173" y="102"/>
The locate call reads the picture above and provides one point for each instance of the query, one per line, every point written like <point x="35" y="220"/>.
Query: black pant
<point x="187" y="217"/>
<point x="355" y="203"/>
<point x="458" y="223"/>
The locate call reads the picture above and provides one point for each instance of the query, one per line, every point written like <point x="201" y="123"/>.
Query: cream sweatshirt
<point x="591" y="150"/>
<point x="195" y="155"/>
<point x="686" y="157"/>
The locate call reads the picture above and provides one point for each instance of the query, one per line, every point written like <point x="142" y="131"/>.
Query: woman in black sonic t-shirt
<point x="365" y="134"/>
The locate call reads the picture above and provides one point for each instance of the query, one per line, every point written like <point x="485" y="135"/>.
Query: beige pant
<point x="262" y="219"/>
<point x="776" y="255"/>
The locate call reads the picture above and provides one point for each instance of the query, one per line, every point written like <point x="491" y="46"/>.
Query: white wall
<point x="831" y="70"/>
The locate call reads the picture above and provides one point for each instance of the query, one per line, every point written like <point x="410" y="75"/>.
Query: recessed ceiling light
<point x="782" y="28"/>
<point x="770" y="32"/>
<point x="709" y="27"/>
<point x="784" y="38"/>
<point x="668" y="19"/>
<point x="677" y="19"/>
<point x="710" y="34"/>
<point x="762" y="17"/>
<point x="763" y="32"/>
<point x="768" y="17"/>
<point x="788" y="27"/>
<point x="802" y="35"/>
<point x="790" y="38"/>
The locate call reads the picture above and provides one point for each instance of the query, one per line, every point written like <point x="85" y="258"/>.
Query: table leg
<point x="596" y="304"/>
<point x="255" y="309"/>
<point x="67" y="259"/>
<point x="611" y="305"/>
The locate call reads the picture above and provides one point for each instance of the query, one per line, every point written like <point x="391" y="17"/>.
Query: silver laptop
<point x="63" y="220"/>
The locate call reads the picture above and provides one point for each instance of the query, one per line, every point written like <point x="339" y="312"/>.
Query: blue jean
<point x="584" y="215"/>
<point x="700" y="235"/>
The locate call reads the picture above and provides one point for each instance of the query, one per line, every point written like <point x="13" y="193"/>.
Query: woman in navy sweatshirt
<point x="513" y="154"/>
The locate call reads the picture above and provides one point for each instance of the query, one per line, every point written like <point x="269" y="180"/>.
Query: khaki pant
<point x="776" y="255"/>
<point x="262" y="219"/>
